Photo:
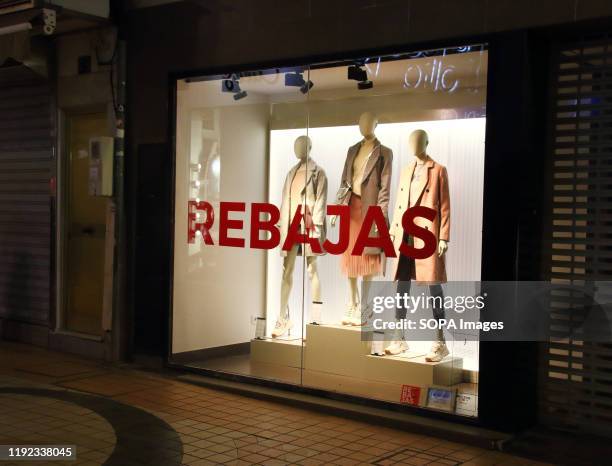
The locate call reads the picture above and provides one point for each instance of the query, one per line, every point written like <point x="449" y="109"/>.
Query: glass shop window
<point x="292" y="186"/>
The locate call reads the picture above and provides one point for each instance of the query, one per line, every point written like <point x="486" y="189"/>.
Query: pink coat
<point x="432" y="192"/>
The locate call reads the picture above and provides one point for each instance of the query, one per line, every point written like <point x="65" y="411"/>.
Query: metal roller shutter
<point x="26" y="154"/>
<point x="576" y="381"/>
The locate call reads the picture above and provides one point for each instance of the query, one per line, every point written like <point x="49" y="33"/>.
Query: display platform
<point x="337" y="350"/>
<point x="414" y="370"/>
<point x="280" y="351"/>
<point x="352" y="358"/>
<point x="244" y="364"/>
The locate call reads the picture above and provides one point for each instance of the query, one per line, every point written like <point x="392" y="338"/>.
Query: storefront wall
<point x="514" y="119"/>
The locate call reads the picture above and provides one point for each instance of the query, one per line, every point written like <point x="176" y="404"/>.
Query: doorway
<point x="84" y="295"/>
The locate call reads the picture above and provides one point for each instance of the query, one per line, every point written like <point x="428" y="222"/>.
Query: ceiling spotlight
<point x="306" y="87"/>
<point x="297" y="80"/>
<point x="240" y="95"/>
<point x="356" y="73"/>
<point x="232" y="85"/>
<point x="294" y="79"/>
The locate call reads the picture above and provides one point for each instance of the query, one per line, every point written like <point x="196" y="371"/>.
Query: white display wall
<point x="457" y="144"/>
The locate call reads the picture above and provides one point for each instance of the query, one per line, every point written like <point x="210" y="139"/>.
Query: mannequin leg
<point x="287" y="281"/>
<point x="360" y="313"/>
<point x="282" y="322"/>
<point x="316" y="306"/>
<point x="439" y="350"/>
<point x="313" y="276"/>
<point x="403" y="287"/>
<point x="353" y="291"/>
<point x="366" y="285"/>
<point x="398" y="344"/>
<point x="438" y="311"/>
<point x="347" y="319"/>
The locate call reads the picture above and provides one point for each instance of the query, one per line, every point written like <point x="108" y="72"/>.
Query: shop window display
<point x="291" y="190"/>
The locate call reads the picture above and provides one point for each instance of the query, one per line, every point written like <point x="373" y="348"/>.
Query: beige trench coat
<point x="375" y="184"/>
<point x="433" y="192"/>
<point x="314" y="194"/>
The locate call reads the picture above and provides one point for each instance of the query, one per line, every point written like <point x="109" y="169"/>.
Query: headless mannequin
<point x="417" y="146"/>
<point x="301" y="148"/>
<point x="367" y="126"/>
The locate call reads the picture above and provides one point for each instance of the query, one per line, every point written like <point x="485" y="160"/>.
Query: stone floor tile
<point x="195" y="425"/>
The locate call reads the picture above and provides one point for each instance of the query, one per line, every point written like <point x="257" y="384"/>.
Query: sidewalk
<point x="121" y="416"/>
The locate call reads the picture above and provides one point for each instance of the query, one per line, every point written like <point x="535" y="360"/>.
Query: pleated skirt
<point x="365" y="264"/>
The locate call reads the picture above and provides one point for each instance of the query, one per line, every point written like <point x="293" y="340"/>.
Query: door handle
<point x="88" y="230"/>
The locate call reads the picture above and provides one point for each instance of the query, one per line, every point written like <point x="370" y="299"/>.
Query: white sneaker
<point x="396" y="347"/>
<point x="355" y="321"/>
<point x="437" y="352"/>
<point x="348" y="315"/>
<point x="360" y="317"/>
<point x="281" y="327"/>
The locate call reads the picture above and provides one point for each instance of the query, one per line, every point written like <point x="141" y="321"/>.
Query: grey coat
<point x="314" y="194"/>
<point x="375" y="184"/>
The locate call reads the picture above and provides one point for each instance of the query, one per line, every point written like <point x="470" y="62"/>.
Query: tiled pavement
<point x="120" y="416"/>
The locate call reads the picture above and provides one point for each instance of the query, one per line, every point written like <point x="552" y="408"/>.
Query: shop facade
<point x="224" y="154"/>
<point x="318" y="136"/>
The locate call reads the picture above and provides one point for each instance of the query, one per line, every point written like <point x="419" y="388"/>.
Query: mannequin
<point x="365" y="182"/>
<point x="305" y="186"/>
<point x="423" y="182"/>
